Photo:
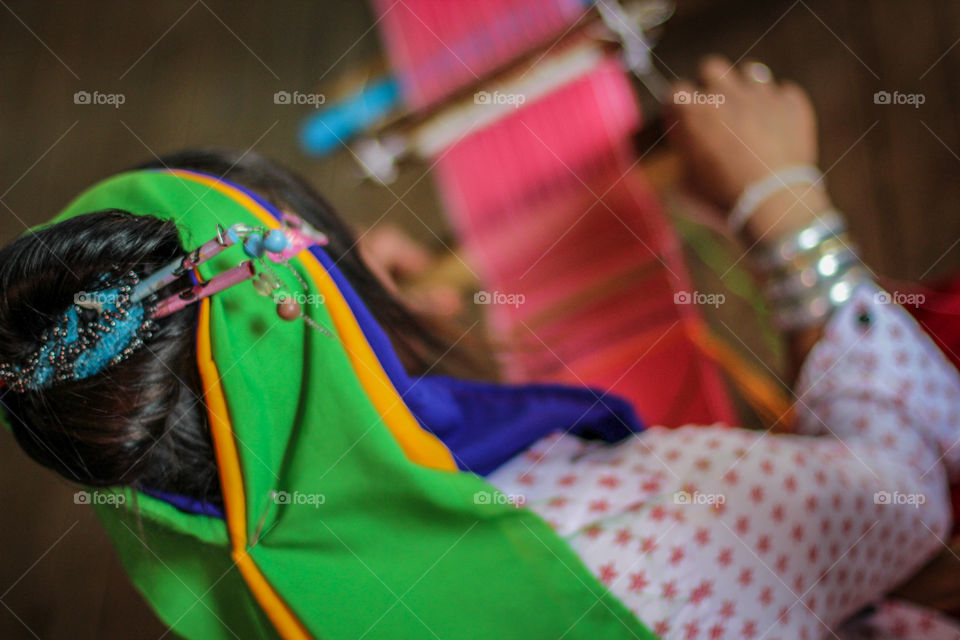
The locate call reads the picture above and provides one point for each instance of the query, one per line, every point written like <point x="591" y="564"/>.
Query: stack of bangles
<point x="810" y="272"/>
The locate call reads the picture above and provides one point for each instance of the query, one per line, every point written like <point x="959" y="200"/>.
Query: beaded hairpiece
<point x="105" y="327"/>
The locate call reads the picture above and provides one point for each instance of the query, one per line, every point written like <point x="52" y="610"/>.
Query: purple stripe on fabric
<point x="185" y="503"/>
<point x="483" y="424"/>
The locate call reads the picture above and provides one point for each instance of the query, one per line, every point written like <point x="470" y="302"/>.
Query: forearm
<point x="751" y="154"/>
<point x="783" y="213"/>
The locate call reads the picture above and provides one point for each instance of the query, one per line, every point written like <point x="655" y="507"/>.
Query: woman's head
<point x="142" y="422"/>
<point x="135" y="423"/>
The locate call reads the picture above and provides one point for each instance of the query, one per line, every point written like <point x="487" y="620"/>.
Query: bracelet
<point x="756" y="192"/>
<point x="820" y="253"/>
<point x="802" y="282"/>
<point x="811" y="310"/>
<point x="827" y="225"/>
<point x="811" y="272"/>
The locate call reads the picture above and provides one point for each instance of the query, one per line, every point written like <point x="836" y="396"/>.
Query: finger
<point x="716" y="71"/>
<point x="720" y="78"/>
<point x="794" y="93"/>
<point x="799" y="100"/>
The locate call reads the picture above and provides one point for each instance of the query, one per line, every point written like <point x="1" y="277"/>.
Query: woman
<point x="291" y="478"/>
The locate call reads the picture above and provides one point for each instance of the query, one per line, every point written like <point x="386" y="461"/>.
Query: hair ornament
<point x="106" y="326"/>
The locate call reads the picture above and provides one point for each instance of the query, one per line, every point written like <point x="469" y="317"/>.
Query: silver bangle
<point x="755" y="193"/>
<point x="829" y="223"/>
<point x="801" y="282"/>
<point x="810" y="311"/>
<point x="811" y="272"/>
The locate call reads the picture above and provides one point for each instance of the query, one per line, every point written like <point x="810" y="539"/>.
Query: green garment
<point x="370" y="544"/>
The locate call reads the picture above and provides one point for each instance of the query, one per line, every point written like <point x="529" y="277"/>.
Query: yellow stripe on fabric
<point x="231" y="479"/>
<point x="419" y="445"/>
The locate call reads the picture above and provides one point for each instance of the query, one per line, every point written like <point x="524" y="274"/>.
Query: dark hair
<point x="139" y="422"/>
<point x="142" y="422"/>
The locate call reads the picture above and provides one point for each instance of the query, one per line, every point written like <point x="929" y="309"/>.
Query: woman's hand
<point x="735" y="129"/>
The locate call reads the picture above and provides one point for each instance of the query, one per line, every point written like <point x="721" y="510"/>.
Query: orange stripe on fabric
<point x="762" y="393"/>
<point x="231" y="479"/>
<point x="420" y="446"/>
<point x="226" y="449"/>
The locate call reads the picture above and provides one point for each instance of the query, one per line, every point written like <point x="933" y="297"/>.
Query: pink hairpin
<point x="179" y="267"/>
<point x="244" y="271"/>
<point x="262" y="245"/>
<point x="125" y="312"/>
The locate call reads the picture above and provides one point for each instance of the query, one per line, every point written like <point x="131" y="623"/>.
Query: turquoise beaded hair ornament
<point x="98" y="330"/>
<point x="105" y="327"/>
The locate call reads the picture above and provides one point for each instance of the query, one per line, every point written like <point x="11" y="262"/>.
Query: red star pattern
<point x="623" y="537"/>
<point x="638" y="581"/>
<point x="608" y="574"/>
<point x="775" y="517"/>
<point x="669" y="591"/>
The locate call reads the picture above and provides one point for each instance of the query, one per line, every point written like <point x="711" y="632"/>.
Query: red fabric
<point x="438" y="46"/>
<point x="939" y="315"/>
<point x="577" y="246"/>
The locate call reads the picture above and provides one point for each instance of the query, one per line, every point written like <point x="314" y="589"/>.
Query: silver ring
<point x="759" y="72"/>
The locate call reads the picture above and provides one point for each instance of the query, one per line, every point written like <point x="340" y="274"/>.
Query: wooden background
<point x="204" y="72"/>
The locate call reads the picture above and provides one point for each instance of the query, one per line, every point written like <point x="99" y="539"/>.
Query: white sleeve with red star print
<point x="715" y="532"/>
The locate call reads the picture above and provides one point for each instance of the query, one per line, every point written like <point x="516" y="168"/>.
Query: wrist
<point x="787" y="211"/>
<point x="810" y="270"/>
